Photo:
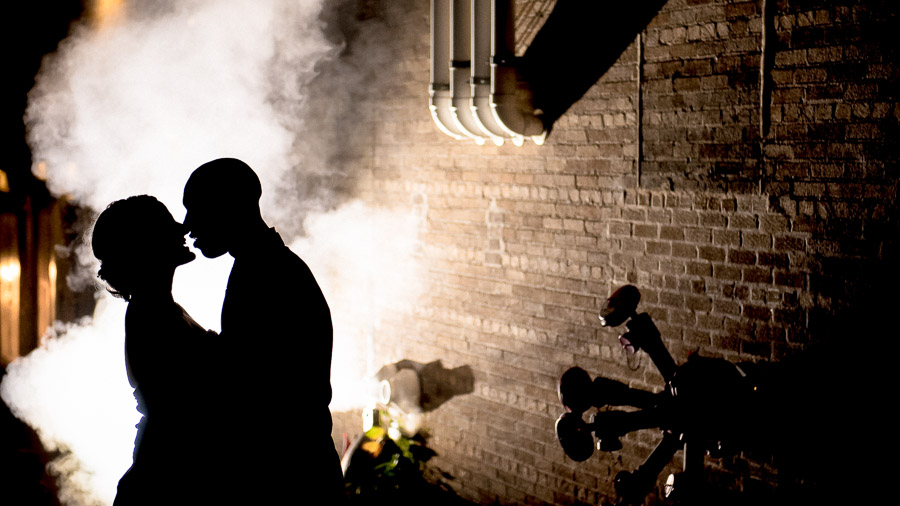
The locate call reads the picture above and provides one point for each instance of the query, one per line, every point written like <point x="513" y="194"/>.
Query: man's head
<point x="220" y="197"/>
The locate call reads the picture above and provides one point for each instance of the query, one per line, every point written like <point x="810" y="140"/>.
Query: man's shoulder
<point x="275" y="269"/>
<point x="275" y="258"/>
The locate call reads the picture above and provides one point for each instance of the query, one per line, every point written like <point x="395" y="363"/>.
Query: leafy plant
<point x="389" y="467"/>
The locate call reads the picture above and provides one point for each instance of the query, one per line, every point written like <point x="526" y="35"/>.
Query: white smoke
<point x="71" y="390"/>
<point x="365" y="262"/>
<point x="140" y="103"/>
<point x="132" y="107"/>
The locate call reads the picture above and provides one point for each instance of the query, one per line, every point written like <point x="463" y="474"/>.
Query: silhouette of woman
<point x="139" y="246"/>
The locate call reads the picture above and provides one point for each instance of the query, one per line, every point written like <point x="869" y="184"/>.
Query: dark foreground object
<point x="780" y="414"/>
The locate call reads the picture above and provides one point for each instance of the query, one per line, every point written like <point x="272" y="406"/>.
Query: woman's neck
<point x="156" y="287"/>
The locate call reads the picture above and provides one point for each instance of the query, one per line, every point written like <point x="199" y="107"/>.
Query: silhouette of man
<point x="277" y="340"/>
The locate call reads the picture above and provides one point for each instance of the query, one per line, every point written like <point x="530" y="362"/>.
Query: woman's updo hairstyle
<point x="126" y="239"/>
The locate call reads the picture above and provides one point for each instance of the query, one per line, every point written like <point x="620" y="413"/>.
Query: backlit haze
<point x="135" y="99"/>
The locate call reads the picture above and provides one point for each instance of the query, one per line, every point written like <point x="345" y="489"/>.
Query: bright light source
<point x="107" y="11"/>
<point x="10" y="271"/>
<point x="51" y="271"/>
<point x="40" y="170"/>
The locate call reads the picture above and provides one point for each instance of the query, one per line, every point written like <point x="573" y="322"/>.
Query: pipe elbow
<point x="442" y="113"/>
<point x="517" y="120"/>
<point x="514" y="113"/>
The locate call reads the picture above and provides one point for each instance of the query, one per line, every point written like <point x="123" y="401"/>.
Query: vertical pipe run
<point x="440" y="69"/>
<point x="461" y="71"/>
<point x="485" y="98"/>
<point x="511" y="101"/>
<point x="766" y="59"/>
<point x="639" y="106"/>
<point x="481" y="71"/>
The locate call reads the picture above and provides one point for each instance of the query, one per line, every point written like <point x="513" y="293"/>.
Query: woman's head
<point x="137" y="240"/>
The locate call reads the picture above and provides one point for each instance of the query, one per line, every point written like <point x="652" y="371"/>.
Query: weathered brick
<point x="697" y="235"/>
<point x="773" y="259"/>
<point x="743" y="244"/>
<point x="659" y="248"/>
<point x="713" y="220"/>
<point x="742" y="257"/>
<point x="756" y="240"/>
<point x="685" y="218"/>
<point x="742" y="221"/>
<point x="699" y="269"/>
<point x="642" y="230"/>
<point x="757" y="275"/>
<point x="790" y="279"/>
<point x="789" y="317"/>
<point x="619" y="228"/>
<point x="726" y="307"/>
<point x="757" y="312"/>
<point x="712" y="253"/>
<point x="698" y="303"/>
<point x="726" y="237"/>
<point x="790" y="243"/>
<point x="671" y="299"/>
<point x="671" y="233"/>
<point x="684" y="250"/>
<point x="726" y="272"/>
<point x="774" y="224"/>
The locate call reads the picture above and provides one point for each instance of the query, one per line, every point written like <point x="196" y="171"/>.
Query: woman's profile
<point x="139" y="245"/>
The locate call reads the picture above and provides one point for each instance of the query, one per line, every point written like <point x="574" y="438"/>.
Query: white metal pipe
<point x="460" y="70"/>
<point x="476" y="91"/>
<point x="441" y="103"/>
<point x="511" y="102"/>
<point x="481" y="71"/>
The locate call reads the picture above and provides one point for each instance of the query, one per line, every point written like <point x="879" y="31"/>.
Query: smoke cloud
<point x="131" y="104"/>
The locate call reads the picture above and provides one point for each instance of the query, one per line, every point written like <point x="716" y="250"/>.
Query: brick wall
<point x="749" y="242"/>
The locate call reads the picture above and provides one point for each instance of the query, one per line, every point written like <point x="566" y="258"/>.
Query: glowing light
<point x="10" y="271"/>
<point x="368" y="419"/>
<point x="107" y="12"/>
<point x="47" y="300"/>
<point x="40" y="170"/>
<point x="4" y="182"/>
<point x="9" y="287"/>
<point x="51" y="271"/>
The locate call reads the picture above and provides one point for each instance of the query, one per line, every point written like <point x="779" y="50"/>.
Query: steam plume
<point x="131" y="106"/>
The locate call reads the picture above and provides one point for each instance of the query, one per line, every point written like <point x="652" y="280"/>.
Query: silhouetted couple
<point x="236" y="418"/>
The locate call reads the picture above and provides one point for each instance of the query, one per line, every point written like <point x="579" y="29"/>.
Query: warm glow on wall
<point x="40" y="170"/>
<point x="10" y="274"/>
<point x="106" y="12"/>
<point x="52" y="272"/>
<point x="10" y="271"/>
<point x="9" y="308"/>
<point x="46" y="306"/>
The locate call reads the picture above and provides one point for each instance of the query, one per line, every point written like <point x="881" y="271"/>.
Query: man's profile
<point x="275" y="387"/>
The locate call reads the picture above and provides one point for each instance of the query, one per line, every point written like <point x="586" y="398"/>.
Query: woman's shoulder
<point x="149" y="316"/>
